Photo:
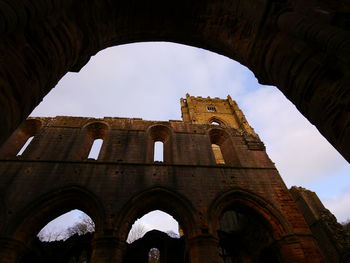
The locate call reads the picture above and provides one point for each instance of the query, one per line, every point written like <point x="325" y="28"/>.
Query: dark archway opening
<point x="66" y="239"/>
<point x="158" y="244"/>
<point x="245" y="237"/>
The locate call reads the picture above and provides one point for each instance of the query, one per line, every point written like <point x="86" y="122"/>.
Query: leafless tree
<point x="85" y="225"/>
<point x="49" y="236"/>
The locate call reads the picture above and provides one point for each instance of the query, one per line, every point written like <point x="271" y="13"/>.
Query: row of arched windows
<point x="158" y="153"/>
<point x="95" y="134"/>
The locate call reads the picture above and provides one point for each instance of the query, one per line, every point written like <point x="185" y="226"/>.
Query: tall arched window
<point x="92" y="146"/>
<point x="159" y="146"/>
<point x="219" y="159"/>
<point x="222" y="147"/>
<point x="158" y="151"/>
<point x="19" y="141"/>
<point x="24" y="147"/>
<point x="95" y="149"/>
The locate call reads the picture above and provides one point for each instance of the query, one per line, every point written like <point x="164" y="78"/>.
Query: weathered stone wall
<point x="331" y="236"/>
<point x="54" y="176"/>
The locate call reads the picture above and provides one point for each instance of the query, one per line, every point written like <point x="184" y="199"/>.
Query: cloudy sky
<point x="147" y="80"/>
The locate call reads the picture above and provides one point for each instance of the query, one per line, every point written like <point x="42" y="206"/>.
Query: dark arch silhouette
<point x="302" y="48"/>
<point x="256" y="216"/>
<point x="51" y="205"/>
<point x="261" y="206"/>
<point x="157" y="198"/>
<point x="170" y="249"/>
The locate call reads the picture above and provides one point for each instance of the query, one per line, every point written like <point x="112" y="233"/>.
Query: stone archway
<point x="267" y="224"/>
<point x="20" y="232"/>
<point x="158" y="198"/>
<point x="302" y="48"/>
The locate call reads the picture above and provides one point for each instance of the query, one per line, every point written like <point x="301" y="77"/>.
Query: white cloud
<point x="300" y="152"/>
<point x="141" y="79"/>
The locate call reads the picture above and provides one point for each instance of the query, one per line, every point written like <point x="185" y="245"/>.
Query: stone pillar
<point x="11" y="250"/>
<point x="107" y="249"/>
<point x="204" y="249"/>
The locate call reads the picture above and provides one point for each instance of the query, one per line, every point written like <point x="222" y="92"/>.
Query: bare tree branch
<point x="83" y="226"/>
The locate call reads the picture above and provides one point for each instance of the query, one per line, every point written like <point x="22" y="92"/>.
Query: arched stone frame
<point x="90" y="132"/>
<point x="266" y="209"/>
<point x="279" y="225"/>
<point x="280" y="44"/>
<point x="159" y="133"/>
<point x="13" y="145"/>
<point x="221" y="138"/>
<point x="35" y="215"/>
<point x="221" y="122"/>
<point x="158" y="198"/>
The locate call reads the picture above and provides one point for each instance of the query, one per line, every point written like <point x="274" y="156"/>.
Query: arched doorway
<point x="171" y="246"/>
<point x="244" y="236"/>
<point x="63" y="242"/>
<point x="22" y="242"/>
<point x="155" y="238"/>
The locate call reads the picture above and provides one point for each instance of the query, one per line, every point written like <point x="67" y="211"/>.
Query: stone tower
<point x="215" y="179"/>
<point x="225" y="113"/>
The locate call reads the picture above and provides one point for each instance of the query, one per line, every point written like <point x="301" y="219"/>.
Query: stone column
<point x="107" y="249"/>
<point x="204" y="249"/>
<point x="11" y="250"/>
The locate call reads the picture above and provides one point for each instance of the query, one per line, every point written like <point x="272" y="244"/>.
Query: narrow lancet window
<point x="95" y="149"/>
<point x="158" y="151"/>
<point x="24" y="147"/>
<point x="218" y="154"/>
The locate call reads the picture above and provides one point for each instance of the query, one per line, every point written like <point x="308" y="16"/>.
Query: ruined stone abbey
<point x="215" y="179"/>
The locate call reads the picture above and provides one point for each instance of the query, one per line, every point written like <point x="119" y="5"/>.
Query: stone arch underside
<point x="158" y="198"/>
<point x="299" y="49"/>
<point x="273" y="219"/>
<point x="47" y="207"/>
<point x="279" y="225"/>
